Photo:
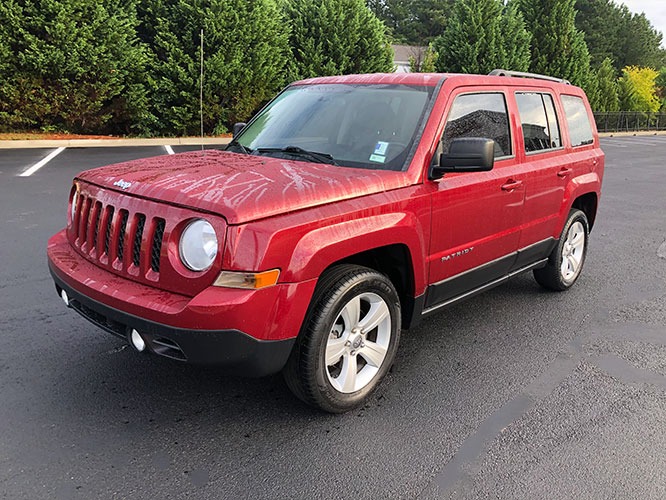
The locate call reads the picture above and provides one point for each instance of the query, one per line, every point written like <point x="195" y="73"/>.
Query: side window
<point x="479" y="115"/>
<point x="539" y="121"/>
<point x="580" y="130"/>
<point x="553" y="125"/>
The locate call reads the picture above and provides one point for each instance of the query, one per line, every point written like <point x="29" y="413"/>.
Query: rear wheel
<point x="348" y="341"/>
<point x="566" y="260"/>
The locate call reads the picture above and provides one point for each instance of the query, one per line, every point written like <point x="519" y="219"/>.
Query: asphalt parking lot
<point x="516" y="393"/>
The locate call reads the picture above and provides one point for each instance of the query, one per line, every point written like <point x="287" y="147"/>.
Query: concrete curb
<point x="632" y="134"/>
<point x="187" y="141"/>
<point x="110" y="143"/>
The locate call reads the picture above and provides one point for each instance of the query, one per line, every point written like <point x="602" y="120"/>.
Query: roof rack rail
<point x="520" y="74"/>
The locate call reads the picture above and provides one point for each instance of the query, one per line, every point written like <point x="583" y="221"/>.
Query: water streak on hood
<point x="239" y="187"/>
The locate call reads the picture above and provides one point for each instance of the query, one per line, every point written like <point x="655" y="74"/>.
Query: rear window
<point x="539" y="121"/>
<point x="479" y="115"/>
<point x="580" y="130"/>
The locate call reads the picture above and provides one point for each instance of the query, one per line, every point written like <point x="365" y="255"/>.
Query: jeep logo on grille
<point x="122" y="184"/>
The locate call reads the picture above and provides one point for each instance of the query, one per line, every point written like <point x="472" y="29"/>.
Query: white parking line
<point x="607" y="142"/>
<point x="41" y="163"/>
<point x="168" y="149"/>
<point x="647" y="141"/>
<point x="634" y="142"/>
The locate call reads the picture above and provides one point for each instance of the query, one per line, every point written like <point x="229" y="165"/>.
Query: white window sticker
<point x="380" y="148"/>
<point x="378" y="158"/>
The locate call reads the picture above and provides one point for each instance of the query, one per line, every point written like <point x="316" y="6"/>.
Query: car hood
<point x="240" y="188"/>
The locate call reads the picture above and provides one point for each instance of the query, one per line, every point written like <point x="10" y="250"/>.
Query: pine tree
<point x="661" y="88"/>
<point x="607" y="99"/>
<point x="641" y="44"/>
<point x="601" y="22"/>
<point x="483" y="35"/>
<point x="245" y="48"/>
<point x="626" y="92"/>
<point x="515" y="45"/>
<point x="336" y="37"/>
<point x="558" y="47"/>
<point x="8" y="99"/>
<point x="613" y="31"/>
<point x="73" y="65"/>
<point x="412" y="22"/>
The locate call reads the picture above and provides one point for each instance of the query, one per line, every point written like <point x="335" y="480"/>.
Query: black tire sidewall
<point x="332" y="303"/>
<point x="556" y="258"/>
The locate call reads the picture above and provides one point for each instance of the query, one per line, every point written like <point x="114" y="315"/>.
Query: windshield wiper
<point x="238" y="145"/>
<point x="297" y="151"/>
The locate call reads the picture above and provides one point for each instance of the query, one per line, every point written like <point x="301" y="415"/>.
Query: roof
<point x="426" y="79"/>
<point x="433" y="79"/>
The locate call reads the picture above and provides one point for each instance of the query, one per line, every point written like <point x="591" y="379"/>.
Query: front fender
<point x="303" y="244"/>
<point x="320" y="248"/>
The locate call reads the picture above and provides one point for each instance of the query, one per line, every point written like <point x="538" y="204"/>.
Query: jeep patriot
<point x="346" y="210"/>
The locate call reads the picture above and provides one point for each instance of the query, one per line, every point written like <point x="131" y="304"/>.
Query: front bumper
<point x="232" y="350"/>
<point x="247" y="332"/>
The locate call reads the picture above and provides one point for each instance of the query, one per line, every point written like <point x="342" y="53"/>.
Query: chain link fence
<point x="630" y="121"/>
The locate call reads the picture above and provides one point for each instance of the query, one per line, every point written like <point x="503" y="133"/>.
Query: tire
<point x="566" y="261"/>
<point x="348" y="340"/>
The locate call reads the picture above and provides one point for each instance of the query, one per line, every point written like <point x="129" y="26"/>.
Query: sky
<point x="655" y="11"/>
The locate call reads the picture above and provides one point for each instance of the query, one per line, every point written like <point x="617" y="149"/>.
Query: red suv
<point x="348" y="209"/>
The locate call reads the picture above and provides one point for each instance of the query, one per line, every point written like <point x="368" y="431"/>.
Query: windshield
<point x="367" y="126"/>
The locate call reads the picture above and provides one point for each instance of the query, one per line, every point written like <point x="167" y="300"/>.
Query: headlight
<point x="198" y="245"/>
<point x="75" y="199"/>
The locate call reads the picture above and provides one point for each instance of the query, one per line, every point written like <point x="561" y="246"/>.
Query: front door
<point x="476" y="217"/>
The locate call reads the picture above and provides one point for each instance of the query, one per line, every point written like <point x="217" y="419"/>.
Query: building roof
<point x="402" y="53"/>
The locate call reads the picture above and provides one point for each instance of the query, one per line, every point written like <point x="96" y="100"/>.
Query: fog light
<point x="64" y="297"/>
<point x="137" y="341"/>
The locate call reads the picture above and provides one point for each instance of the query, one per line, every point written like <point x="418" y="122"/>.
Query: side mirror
<point x="466" y="154"/>
<point x="237" y="128"/>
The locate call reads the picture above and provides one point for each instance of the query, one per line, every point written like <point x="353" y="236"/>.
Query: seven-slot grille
<point x="127" y="242"/>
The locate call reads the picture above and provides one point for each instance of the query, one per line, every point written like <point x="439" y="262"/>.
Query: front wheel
<point x="567" y="258"/>
<point x="348" y="341"/>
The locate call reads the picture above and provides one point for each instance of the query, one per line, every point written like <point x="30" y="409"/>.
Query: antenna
<point x="201" y="89"/>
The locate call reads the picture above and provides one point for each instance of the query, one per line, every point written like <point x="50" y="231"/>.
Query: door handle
<point x="564" y="172"/>
<point x="510" y="185"/>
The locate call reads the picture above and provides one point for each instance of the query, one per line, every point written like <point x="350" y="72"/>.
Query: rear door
<point x="557" y="143"/>
<point x="476" y="216"/>
<point x="542" y="149"/>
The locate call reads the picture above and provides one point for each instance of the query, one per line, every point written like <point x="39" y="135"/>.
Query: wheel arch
<point x="581" y="193"/>
<point x="395" y="262"/>
<point x="588" y="204"/>
<point x="393" y="244"/>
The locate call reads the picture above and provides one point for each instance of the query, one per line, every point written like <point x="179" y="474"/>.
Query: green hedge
<point x="132" y="67"/>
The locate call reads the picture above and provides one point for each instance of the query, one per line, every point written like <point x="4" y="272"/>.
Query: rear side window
<point x="479" y="115"/>
<point x="541" y="130"/>
<point x="580" y="130"/>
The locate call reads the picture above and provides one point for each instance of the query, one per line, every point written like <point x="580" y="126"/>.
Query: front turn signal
<point x="251" y="281"/>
